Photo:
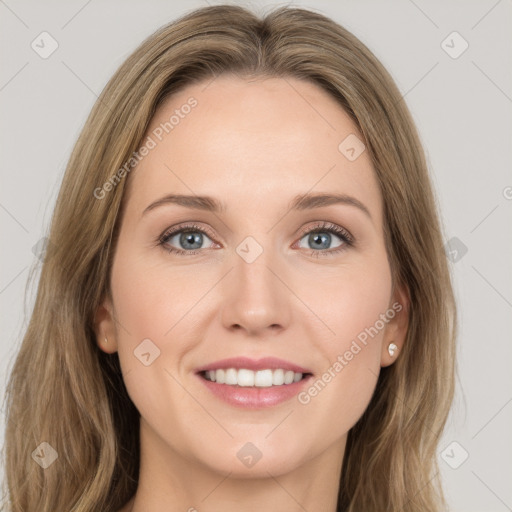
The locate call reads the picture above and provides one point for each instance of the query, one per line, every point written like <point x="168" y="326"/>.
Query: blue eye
<point x="320" y="239"/>
<point x="190" y="238"/>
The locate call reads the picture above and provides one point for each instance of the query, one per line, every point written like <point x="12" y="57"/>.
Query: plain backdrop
<point x="460" y="98"/>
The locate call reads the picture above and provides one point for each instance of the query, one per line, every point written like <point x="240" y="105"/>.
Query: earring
<point x="106" y="341"/>
<point x="392" y="348"/>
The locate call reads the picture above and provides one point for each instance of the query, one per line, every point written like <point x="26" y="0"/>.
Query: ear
<point x="104" y="327"/>
<point x="396" y="328"/>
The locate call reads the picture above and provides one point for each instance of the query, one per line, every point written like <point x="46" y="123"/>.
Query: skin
<point x="254" y="144"/>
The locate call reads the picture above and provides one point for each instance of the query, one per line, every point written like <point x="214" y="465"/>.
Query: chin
<point x="254" y="458"/>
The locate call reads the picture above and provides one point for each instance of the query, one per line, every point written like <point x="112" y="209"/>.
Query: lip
<point x="272" y="363"/>
<point x="254" y="397"/>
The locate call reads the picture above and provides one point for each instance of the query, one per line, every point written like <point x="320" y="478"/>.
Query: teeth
<point x="218" y="376"/>
<point x="231" y="377"/>
<point x="249" y="378"/>
<point x="263" y="378"/>
<point x="245" y="378"/>
<point x="278" y="377"/>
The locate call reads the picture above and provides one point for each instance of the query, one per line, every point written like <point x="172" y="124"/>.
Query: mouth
<point x="246" y="383"/>
<point x="244" y="377"/>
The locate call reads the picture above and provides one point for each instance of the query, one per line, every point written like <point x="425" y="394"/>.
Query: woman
<point x="299" y="354"/>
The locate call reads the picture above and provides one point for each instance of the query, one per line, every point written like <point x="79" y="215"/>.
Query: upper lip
<point x="264" y="363"/>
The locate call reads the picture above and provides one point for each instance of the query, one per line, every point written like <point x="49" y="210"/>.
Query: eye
<point x="320" y="239"/>
<point x="190" y="238"/>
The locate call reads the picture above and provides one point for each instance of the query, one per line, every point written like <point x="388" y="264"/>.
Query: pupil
<point x="318" y="238"/>
<point x="187" y="238"/>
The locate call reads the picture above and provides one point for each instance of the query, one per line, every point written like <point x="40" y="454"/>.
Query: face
<point x="285" y="286"/>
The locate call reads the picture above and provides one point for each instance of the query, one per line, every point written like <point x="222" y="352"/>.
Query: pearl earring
<point x="392" y="348"/>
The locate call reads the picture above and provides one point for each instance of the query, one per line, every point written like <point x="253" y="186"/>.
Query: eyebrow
<point x="301" y="202"/>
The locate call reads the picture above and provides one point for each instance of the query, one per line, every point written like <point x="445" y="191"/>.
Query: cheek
<point x="154" y="300"/>
<point x="355" y="306"/>
<point x="154" y="308"/>
<point x="362" y="319"/>
<point x="350" y="300"/>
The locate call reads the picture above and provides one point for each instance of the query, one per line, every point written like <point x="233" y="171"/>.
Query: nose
<point x="255" y="297"/>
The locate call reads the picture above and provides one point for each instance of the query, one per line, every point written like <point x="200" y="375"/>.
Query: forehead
<point x="253" y="144"/>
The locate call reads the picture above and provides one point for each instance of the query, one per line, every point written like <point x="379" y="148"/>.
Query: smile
<point x="254" y="384"/>
<point x="249" y="378"/>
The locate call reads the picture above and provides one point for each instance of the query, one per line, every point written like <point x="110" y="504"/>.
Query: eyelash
<point x="321" y="227"/>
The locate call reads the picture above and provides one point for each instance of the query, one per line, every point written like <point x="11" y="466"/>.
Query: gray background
<point x="462" y="107"/>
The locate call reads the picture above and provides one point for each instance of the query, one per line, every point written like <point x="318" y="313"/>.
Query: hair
<point x="67" y="392"/>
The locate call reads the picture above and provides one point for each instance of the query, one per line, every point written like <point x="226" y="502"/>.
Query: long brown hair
<point x="66" y="392"/>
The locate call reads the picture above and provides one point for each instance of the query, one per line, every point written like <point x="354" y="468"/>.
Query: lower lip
<point x="255" y="397"/>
